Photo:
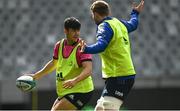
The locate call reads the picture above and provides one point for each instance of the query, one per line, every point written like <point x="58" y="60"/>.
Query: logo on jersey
<point x="71" y="96"/>
<point x="100" y="28"/>
<point x="125" y="41"/>
<point x="119" y="93"/>
<point x="79" y="103"/>
<point x="59" y="77"/>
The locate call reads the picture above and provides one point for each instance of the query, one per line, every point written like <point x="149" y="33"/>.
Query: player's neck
<point x="71" y="42"/>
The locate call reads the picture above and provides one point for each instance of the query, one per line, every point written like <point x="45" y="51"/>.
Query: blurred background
<point x="30" y="28"/>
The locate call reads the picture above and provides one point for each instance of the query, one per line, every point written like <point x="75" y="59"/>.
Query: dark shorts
<point x="78" y="99"/>
<point x="118" y="87"/>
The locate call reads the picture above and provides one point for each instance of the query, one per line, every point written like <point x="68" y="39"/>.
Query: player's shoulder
<point x="58" y="42"/>
<point x="104" y="25"/>
<point x="57" y="45"/>
<point x="61" y="40"/>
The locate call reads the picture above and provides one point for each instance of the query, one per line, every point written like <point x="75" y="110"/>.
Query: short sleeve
<point x="81" y="57"/>
<point x="85" y="57"/>
<point x="56" y="50"/>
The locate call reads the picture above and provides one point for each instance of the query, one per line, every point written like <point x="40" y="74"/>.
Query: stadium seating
<point x="30" y="28"/>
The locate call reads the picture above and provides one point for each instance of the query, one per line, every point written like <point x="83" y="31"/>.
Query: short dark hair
<point x="101" y="7"/>
<point x="72" y="23"/>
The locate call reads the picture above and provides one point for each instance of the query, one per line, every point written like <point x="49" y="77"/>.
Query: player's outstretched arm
<point x="139" y="8"/>
<point x="87" y="71"/>
<point x="132" y="24"/>
<point x="48" y="68"/>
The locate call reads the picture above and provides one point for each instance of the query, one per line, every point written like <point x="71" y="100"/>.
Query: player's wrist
<point x="35" y="76"/>
<point x="76" y="80"/>
<point x="134" y="11"/>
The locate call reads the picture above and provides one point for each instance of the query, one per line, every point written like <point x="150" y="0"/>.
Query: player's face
<point x="72" y="34"/>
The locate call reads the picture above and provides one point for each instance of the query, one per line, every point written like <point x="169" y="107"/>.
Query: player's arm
<point x="48" y="68"/>
<point x="132" y="24"/>
<point x="87" y="71"/>
<point x="104" y="36"/>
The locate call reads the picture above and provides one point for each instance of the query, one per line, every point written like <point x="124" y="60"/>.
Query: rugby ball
<point x="25" y="83"/>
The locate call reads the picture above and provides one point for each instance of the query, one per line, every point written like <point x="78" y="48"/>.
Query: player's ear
<point x="65" y="31"/>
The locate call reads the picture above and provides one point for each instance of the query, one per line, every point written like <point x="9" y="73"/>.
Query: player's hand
<point x="82" y="45"/>
<point x="68" y="84"/>
<point x="138" y="7"/>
